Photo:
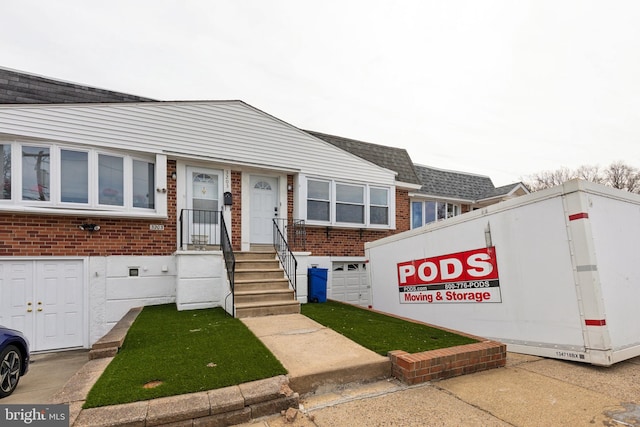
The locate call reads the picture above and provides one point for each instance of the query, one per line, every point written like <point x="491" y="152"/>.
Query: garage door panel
<point x="349" y="283"/>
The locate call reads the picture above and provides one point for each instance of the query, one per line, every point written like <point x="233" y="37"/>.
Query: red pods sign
<point x="469" y="276"/>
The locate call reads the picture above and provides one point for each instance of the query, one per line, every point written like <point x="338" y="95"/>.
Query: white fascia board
<point x="439" y="198"/>
<point x="407" y="186"/>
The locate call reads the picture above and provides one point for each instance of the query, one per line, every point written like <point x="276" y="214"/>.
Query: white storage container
<point x="555" y="273"/>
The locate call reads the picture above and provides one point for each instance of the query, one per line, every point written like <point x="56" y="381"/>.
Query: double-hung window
<point x="348" y="204"/>
<point x="74" y="176"/>
<point x="318" y="200"/>
<point x="379" y="206"/>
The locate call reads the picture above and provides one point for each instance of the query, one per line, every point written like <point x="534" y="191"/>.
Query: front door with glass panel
<point x="264" y="207"/>
<point x="201" y="221"/>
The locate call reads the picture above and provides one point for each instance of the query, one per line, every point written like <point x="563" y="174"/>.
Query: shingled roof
<point x="395" y="159"/>
<point x="458" y="185"/>
<point x="17" y="87"/>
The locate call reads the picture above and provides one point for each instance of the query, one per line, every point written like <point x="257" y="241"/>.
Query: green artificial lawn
<point x="381" y="333"/>
<point x="187" y="351"/>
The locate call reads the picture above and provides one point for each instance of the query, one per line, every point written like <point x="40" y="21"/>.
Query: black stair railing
<point x="288" y="261"/>
<point x="229" y="259"/>
<point x="199" y="229"/>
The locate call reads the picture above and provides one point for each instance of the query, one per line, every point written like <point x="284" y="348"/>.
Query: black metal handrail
<point x="295" y="231"/>
<point x="288" y="261"/>
<point x="229" y="257"/>
<point x="199" y="228"/>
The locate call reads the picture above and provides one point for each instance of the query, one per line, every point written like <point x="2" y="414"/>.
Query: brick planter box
<point x="447" y="362"/>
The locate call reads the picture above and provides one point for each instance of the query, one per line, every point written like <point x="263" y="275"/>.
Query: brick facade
<point x="335" y="241"/>
<point x="236" y="210"/>
<point x="54" y="235"/>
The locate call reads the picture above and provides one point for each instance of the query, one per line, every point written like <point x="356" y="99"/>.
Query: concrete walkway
<point x="316" y="357"/>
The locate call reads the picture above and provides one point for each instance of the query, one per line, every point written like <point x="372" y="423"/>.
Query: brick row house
<point x="111" y="201"/>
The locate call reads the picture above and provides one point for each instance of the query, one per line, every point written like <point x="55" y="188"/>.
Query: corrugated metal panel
<point x="229" y="131"/>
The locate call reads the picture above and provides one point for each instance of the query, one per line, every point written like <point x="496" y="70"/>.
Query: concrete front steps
<point x="261" y="287"/>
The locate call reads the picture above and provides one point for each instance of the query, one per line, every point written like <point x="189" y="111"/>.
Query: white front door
<point x="201" y="225"/>
<point x="264" y="207"/>
<point x="44" y="300"/>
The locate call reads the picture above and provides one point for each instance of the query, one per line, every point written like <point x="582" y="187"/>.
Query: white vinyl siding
<point x="223" y="131"/>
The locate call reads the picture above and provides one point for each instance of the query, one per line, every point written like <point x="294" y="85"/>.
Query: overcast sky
<point x="499" y="88"/>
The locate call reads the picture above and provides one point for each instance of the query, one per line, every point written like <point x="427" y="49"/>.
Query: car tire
<point x="10" y="369"/>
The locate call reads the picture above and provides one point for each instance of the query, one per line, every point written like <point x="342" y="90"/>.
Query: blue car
<point x="14" y="359"/>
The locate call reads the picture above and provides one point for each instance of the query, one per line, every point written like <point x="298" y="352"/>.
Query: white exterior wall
<point x="202" y="280"/>
<point x="112" y="292"/>
<point x="559" y="275"/>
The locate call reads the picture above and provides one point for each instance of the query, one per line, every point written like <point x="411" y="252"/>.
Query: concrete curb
<point x="226" y="406"/>
<point x="109" y="345"/>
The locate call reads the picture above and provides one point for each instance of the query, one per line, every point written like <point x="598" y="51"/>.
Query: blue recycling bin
<point x="317" y="280"/>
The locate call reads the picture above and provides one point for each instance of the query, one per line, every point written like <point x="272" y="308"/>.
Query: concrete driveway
<point x="47" y="374"/>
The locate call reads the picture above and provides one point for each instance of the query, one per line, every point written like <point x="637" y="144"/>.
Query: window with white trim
<point x="350" y="203"/>
<point x="339" y="203"/>
<point x="318" y="200"/>
<point x="425" y="212"/>
<point x="55" y="176"/>
<point x="379" y="205"/>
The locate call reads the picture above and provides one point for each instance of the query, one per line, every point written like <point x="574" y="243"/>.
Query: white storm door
<point x="264" y="205"/>
<point x="58" y="305"/>
<point x="203" y="199"/>
<point x="44" y="300"/>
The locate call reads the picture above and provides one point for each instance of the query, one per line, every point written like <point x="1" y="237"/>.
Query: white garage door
<point x="350" y="283"/>
<point x="44" y="300"/>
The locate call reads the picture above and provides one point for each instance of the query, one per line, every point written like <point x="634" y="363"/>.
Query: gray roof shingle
<point x="17" y="87"/>
<point x="452" y="184"/>
<point x="395" y="159"/>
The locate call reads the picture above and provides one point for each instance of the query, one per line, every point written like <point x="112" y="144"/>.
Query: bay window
<point x="338" y="203"/>
<point x="74" y="178"/>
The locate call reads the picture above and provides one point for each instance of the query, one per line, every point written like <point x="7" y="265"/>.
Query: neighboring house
<point x="446" y="193"/>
